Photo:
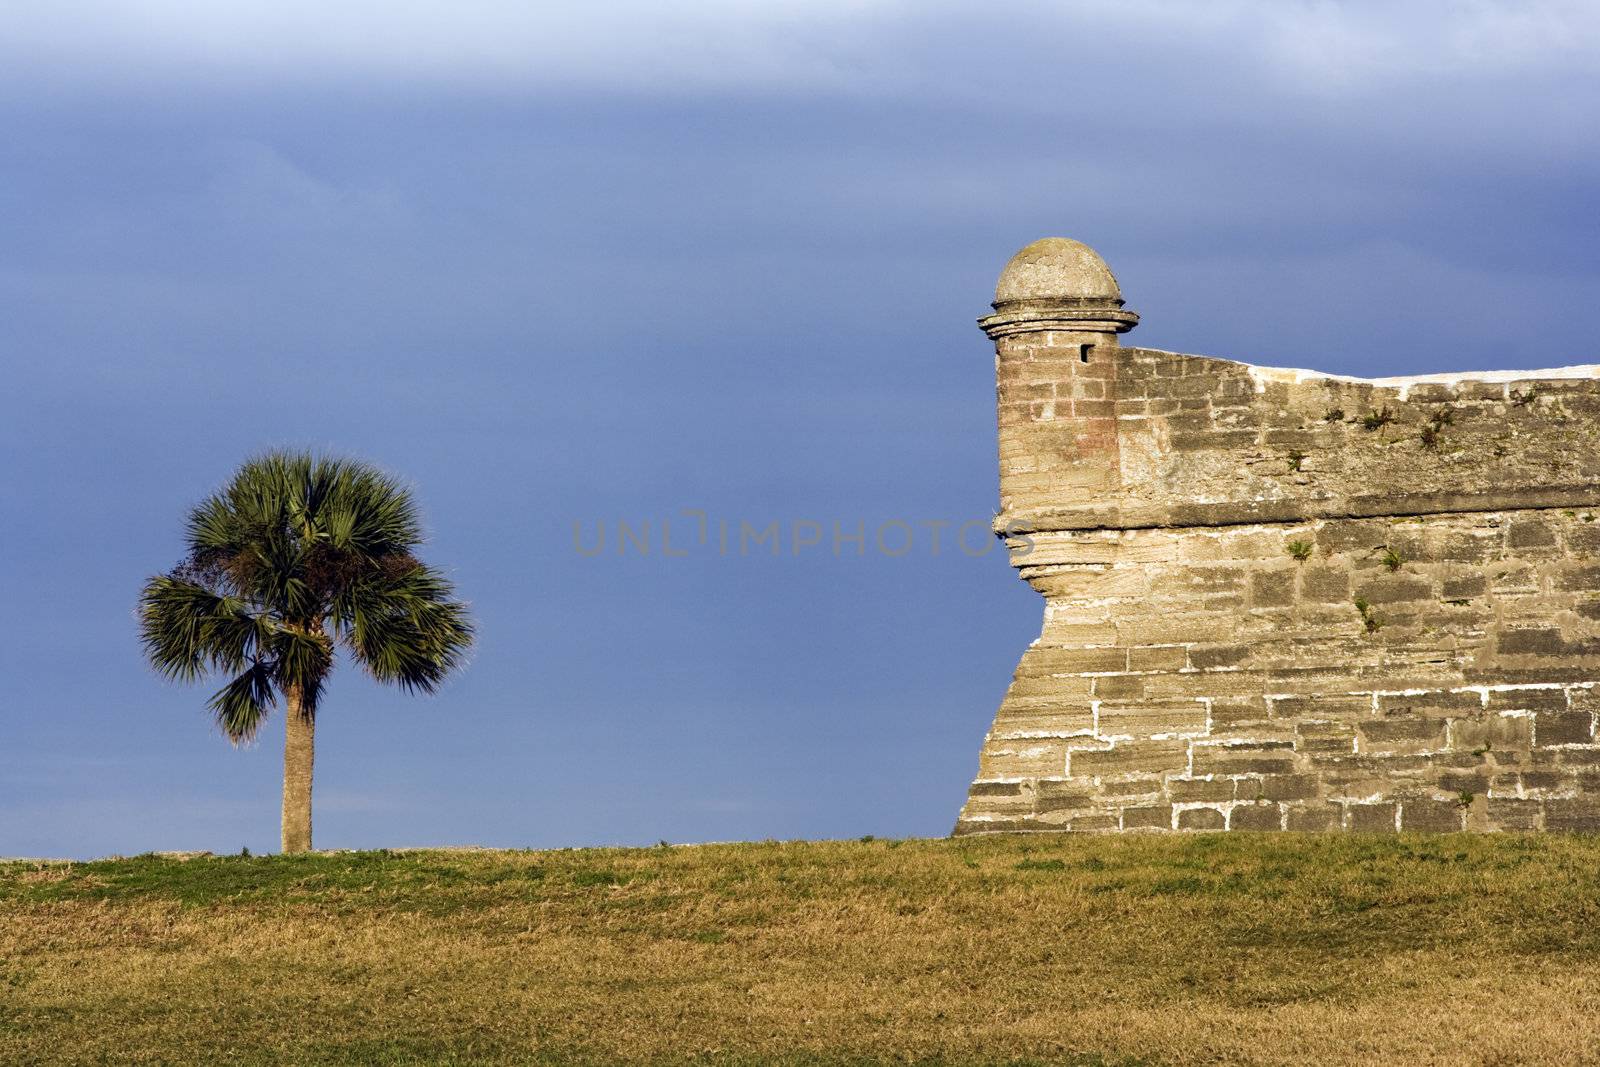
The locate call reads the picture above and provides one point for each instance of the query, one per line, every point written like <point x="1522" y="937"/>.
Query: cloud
<point x="837" y="46"/>
<point x="1346" y="46"/>
<point x="483" y="43"/>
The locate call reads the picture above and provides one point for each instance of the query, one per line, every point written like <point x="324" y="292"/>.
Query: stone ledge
<point x="1009" y="524"/>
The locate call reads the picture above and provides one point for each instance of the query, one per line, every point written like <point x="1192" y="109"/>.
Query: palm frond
<point x="187" y="628"/>
<point x="366" y="512"/>
<point x="405" y="628"/>
<point x="302" y="661"/>
<point x="241" y="704"/>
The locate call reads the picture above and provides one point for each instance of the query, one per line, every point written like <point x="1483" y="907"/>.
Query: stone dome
<point x="1057" y="268"/>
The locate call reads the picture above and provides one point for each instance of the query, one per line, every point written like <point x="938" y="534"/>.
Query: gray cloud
<point x="845" y="46"/>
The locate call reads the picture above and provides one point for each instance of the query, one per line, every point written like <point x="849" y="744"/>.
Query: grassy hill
<point x="1085" y="950"/>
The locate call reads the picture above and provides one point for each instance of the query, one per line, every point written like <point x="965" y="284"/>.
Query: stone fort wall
<point x="1284" y="600"/>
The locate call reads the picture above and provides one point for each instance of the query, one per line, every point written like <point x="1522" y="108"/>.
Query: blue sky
<point x="622" y="260"/>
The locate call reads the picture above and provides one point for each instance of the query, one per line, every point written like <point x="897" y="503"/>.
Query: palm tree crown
<point x="296" y="553"/>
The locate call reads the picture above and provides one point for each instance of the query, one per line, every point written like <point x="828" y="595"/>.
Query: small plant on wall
<point x="1393" y="559"/>
<point x="1301" y="550"/>
<point x="1369" y="618"/>
<point x="1435" y="429"/>
<point x="1296" y="459"/>
<point x="1377" y="418"/>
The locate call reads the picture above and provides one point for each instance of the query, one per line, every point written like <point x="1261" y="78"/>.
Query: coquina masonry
<point x="1283" y="600"/>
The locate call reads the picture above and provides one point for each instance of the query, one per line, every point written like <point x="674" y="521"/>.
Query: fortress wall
<point x="1280" y="600"/>
<point x="1185" y="440"/>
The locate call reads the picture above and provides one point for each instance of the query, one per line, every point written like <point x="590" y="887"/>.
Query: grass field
<point x="1084" y="950"/>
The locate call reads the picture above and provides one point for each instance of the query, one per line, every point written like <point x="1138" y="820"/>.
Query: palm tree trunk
<point x="299" y="728"/>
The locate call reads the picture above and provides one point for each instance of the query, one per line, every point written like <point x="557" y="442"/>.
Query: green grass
<point x="997" y="950"/>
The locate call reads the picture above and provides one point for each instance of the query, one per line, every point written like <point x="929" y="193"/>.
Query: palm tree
<point x="295" y="553"/>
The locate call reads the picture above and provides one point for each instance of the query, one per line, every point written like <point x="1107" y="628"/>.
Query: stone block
<point x="1513" y="577"/>
<point x="1180" y="627"/>
<point x="1476" y="783"/>
<point x="1272" y="588"/>
<point x="1510" y="814"/>
<point x="1400" y="736"/>
<point x="1022" y="759"/>
<point x="1267" y="758"/>
<point x="1314" y="818"/>
<point x="1531" y="641"/>
<point x="1541" y="781"/>
<point x="1491" y="732"/>
<point x="1021" y="718"/>
<point x="1346" y="769"/>
<point x="1158" y="658"/>
<point x="1211" y="657"/>
<point x="996" y="789"/>
<point x="1460" y="761"/>
<point x="1288" y="787"/>
<point x="1544" y="699"/>
<point x="981" y="825"/>
<point x="1199" y="579"/>
<point x="1051" y="687"/>
<point x="1062" y="795"/>
<point x="1394" y="589"/>
<point x="1530" y="533"/>
<point x="1575" y="813"/>
<point x="1228" y="712"/>
<point x="1080" y="634"/>
<point x="1152" y="817"/>
<point x="1330" y="737"/>
<point x="1578" y="580"/>
<point x="1563" y="728"/>
<point x="1218" y="545"/>
<point x="1436" y="704"/>
<point x="1196" y="790"/>
<point x="1123" y="790"/>
<point x="1152" y="720"/>
<point x="1255" y="817"/>
<point x="1075" y="660"/>
<point x="1118" y="687"/>
<point x="1322" y="707"/>
<point x="1255" y="734"/>
<point x="1202" y="819"/>
<point x="1371" y="818"/>
<point x="1091" y="583"/>
<point x="1463" y="587"/>
<point x="1583" y="541"/>
<point x="1199" y="685"/>
<point x="1130" y="757"/>
<point x="1434" y="816"/>
<point x="1587" y="699"/>
<point x="1350" y="537"/>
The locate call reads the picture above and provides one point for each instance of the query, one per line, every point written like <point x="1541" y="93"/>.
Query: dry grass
<point x="1197" y="949"/>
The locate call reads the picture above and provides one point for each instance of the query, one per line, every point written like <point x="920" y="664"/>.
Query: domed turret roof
<point x="1057" y="268"/>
